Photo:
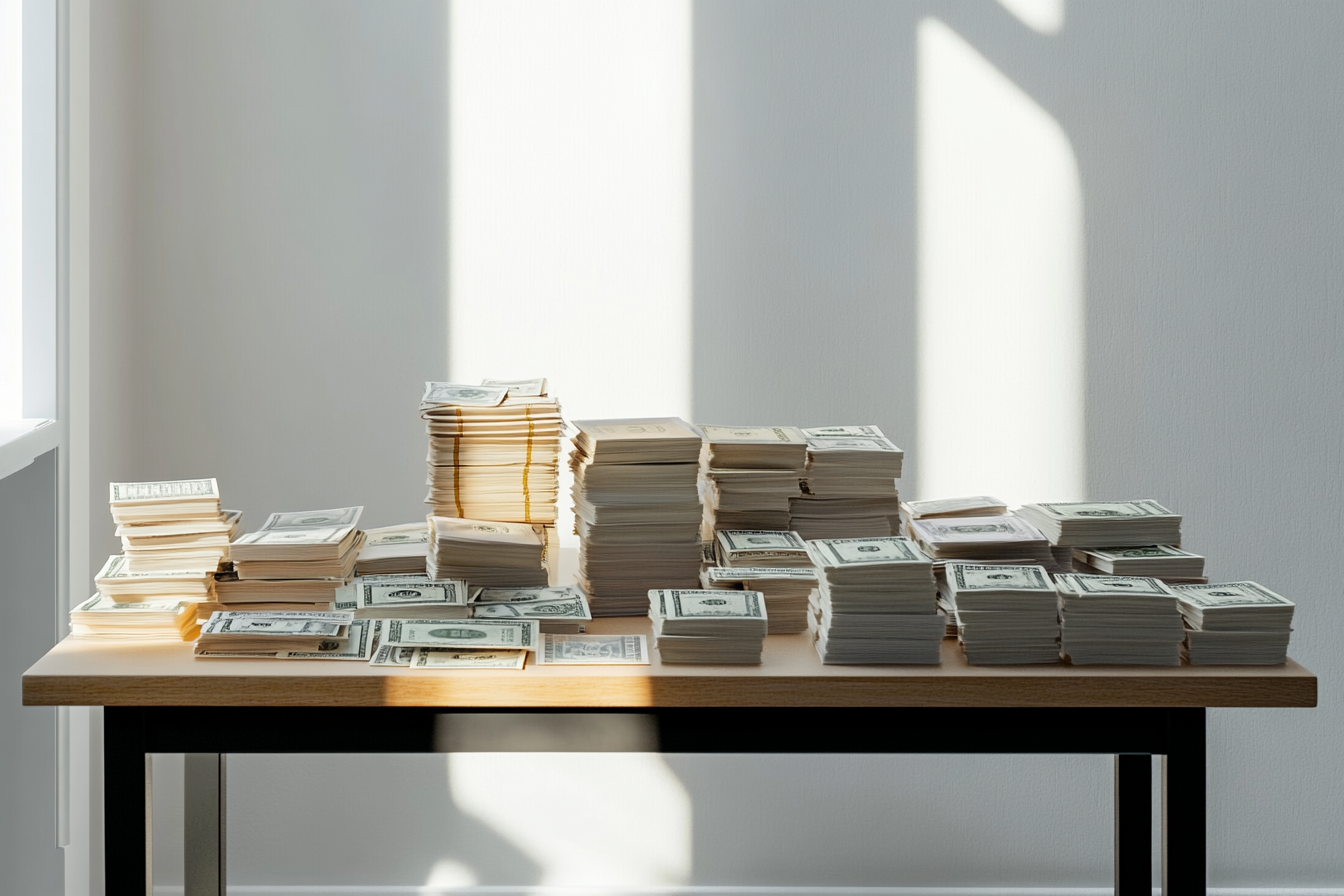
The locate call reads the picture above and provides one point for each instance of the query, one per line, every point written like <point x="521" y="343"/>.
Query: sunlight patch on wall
<point x="1045" y="16"/>
<point x="1001" y="315"/>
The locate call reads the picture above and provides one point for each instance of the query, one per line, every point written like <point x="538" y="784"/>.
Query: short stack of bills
<point x="487" y="553"/>
<point x="394" y="550"/>
<point x="1119" y="619"/>
<point x="560" y="609"/>
<point x="1116" y="524"/>
<point x="1160" y="561"/>
<point x="786" y="591"/>
<point x="403" y="596"/>
<point x="1004" y="614"/>
<point x="849" y="485"/>
<point x="708" y="626"/>
<point x="748" y="474"/>
<point x="1238" y="623"/>
<point x="102" y="619"/>
<point x="303" y="545"/>
<point x="172" y="525"/>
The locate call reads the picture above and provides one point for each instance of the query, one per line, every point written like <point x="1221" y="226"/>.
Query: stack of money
<point x="748" y="474"/>
<point x="849" y="486"/>
<point x="1114" y="524"/>
<point x="876" y="602"/>
<point x="998" y="539"/>
<point x="172" y="525"/>
<point x="1160" y="561"/>
<point x="1238" y="623"/>
<point x="264" y="634"/>
<point x="301" y="545"/>
<point x="357" y="644"/>
<point x="1004" y="614"/>
<point x="760" y="547"/>
<point x="494" y="452"/>
<point x="786" y="591"/>
<point x="270" y="594"/>
<point x="101" y="618"/>
<point x="403" y="596"/>
<point x="1119" y="619"/>
<point x="950" y="508"/>
<point x="486" y="553"/>
<point x="708" y="626"/>
<point x="560" y="609"/>
<point x="457" y="644"/>
<point x="636" y="510"/>
<point x="119" y="584"/>
<point x="394" y="550"/>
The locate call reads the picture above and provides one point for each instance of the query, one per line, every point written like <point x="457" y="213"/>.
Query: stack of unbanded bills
<point x="560" y="609"/>
<point x="391" y="550"/>
<point x="481" y="552"/>
<point x="302" y="545"/>
<point x="849" y="486"/>
<point x="1160" y="561"/>
<point x="876" y="602"/>
<point x="997" y="539"/>
<point x="102" y="619"/>
<point x="1119" y="619"/>
<point x="172" y="525"/>
<point x="119" y="584"/>
<point x="1237" y="623"/>
<point x="494" y="450"/>
<point x="264" y="634"/>
<point x="760" y="547"/>
<point x="951" y="508"/>
<point x="1004" y="614"/>
<point x="1113" y="524"/>
<point x="708" y="626"/>
<point x="429" y="644"/>
<point x="636" y="510"/>
<point x="403" y="596"/>
<point x="786" y="590"/>
<point x="748" y="474"/>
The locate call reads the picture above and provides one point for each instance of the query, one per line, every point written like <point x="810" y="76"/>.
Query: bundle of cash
<point x="393" y="550"/>
<point x="1000" y="539"/>
<point x="267" y="633"/>
<point x="1004" y="614"/>
<point x="561" y="609"/>
<point x="1120" y="524"/>
<point x="486" y="553"/>
<point x="172" y="525"/>
<point x="785" y="589"/>
<point x="494" y="450"/>
<point x="748" y="474"/>
<point x="760" y="547"/>
<point x="636" y="510"/>
<point x="849" y="486"/>
<point x="230" y="589"/>
<point x="1237" y="623"/>
<point x="708" y="626"/>
<point x="876" y="602"/>
<point x="100" y="618"/>
<point x="357" y="644"/>
<point x="303" y="544"/>
<point x="1161" y="561"/>
<point x="461" y="634"/>
<point x="403" y="596"/>
<point x="1119" y="619"/>
<point x="117" y="582"/>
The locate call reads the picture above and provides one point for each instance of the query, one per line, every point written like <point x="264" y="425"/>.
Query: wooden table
<point x="160" y="699"/>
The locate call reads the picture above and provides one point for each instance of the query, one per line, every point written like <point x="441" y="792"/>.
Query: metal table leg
<point x="1133" y="824"/>
<point x="205" y="828"/>
<point x="1184" y="867"/>
<point x="127" y="805"/>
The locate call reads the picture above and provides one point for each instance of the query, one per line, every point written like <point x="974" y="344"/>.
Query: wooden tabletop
<point x="76" y="673"/>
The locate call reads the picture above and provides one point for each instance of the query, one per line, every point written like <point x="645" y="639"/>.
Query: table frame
<point x="207" y="734"/>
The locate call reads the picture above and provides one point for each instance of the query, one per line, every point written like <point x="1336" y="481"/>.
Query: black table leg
<point x="127" y="809"/>
<point x="1184" y="867"/>
<point x="1133" y="824"/>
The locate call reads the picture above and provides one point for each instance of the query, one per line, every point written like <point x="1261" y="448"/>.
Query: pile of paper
<point x="265" y="634"/>
<point x="636" y="510"/>
<point x="1004" y="614"/>
<point x="560" y="609"/>
<point x="951" y="508"/>
<point x="172" y="525"/>
<point x="1161" y="561"/>
<point x="849" y="486"/>
<point x="394" y="550"/>
<point x="302" y="544"/>
<point x="118" y="583"/>
<point x="487" y="553"/>
<point x="748" y="474"/>
<point x="785" y="589"/>
<point x="101" y="618"/>
<point x="1113" y="524"/>
<point x="1119" y="619"/>
<point x="1238" y="623"/>
<point x="876" y="602"/>
<point x="404" y="596"/>
<point x="708" y="626"/>
<point x="494" y="450"/>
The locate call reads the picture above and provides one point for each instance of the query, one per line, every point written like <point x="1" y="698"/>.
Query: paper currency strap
<point x="89" y="673"/>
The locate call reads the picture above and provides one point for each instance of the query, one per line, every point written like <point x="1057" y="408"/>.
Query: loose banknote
<point x="305" y="527"/>
<point x="573" y="608"/>
<point x="839" y="552"/>
<point x="593" y="650"/>
<point x="462" y="394"/>
<point x="437" y="658"/>
<point x="520" y="388"/>
<point x="373" y="593"/>
<point x="171" y="490"/>
<point x="317" y="623"/>
<point x="473" y="634"/>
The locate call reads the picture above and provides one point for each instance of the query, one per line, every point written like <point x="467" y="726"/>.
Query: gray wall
<point x="269" y="290"/>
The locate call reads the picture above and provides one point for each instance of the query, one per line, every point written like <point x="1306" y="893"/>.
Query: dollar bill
<point x="746" y="542"/>
<point x="391" y="655"/>
<point x="410" y="590"/>
<point x="973" y="529"/>
<point x="167" y="491"/>
<point x="436" y="658"/>
<point x="746" y="573"/>
<point x="701" y="603"/>
<point x="1230" y="594"/>
<point x="975" y="505"/>
<point x="832" y="552"/>
<point x="305" y="527"/>
<point x="1148" y="552"/>
<point x="976" y="577"/>
<point x="116" y="568"/>
<point x="1111" y="586"/>
<point x="523" y="595"/>
<point x="571" y="608"/>
<point x="474" y="634"/>
<point x="357" y="645"/>
<point x="844" y="432"/>
<point x="1081" y="510"/>
<point x="319" y="623"/>
<point x="520" y="388"/>
<point x="756" y="434"/>
<point x="407" y="533"/>
<point x="593" y="650"/>
<point x="463" y="394"/>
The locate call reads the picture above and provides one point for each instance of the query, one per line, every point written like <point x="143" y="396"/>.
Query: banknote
<point x="373" y="595"/>
<point x="168" y="490"/>
<point x="1102" y="509"/>
<point x="357" y="645"/>
<point x="755" y="434"/>
<point x="391" y="655"/>
<point x="746" y="573"/>
<point x="700" y="603"/>
<point x="974" y="505"/>
<point x="832" y="552"/>
<point x="320" y="623"/>
<point x="593" y="650"/>
<point x="463" y="394"/>
<point x="520" y="388"/>
<point x="1111" y="586"/>
<point x="305" y="527"/>
<point x="575" y="607"/>
<point x="1230" y="594"/>
<point x="475" y="634"/>
<point x="523" y="595"/>
<point x="844" y="432"/>
<point x="1148" y="552"/>
<point x="977" y="577"/>
<point x="116" y="568"/>
<point x="407" y="533"/>
<point x="437" y="658"/>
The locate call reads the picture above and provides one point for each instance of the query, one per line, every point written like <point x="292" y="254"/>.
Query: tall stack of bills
<point x="748" y="474"/>
<point x="849" y="486"/>
<point x="296" y="561"/>
<point x="708" y="626"/>
<point x="636" y="510"/>
<point x="494" y="452"/>
<point x="481" y="552"/>
<point x="1238" y="623"/>
<point x="786" y="591"/>
<point x="172" y="525"/>
<point x="1119" y="619"/>
<point x="1004" y="614"/>
<point x="876" y="602"/>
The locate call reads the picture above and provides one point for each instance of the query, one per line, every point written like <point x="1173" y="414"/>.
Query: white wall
<point x="270" y="278"/>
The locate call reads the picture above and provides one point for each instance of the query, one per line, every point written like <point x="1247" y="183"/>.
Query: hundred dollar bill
<point x="305" y="527"/>
<point x="391" y="655"/>
<point x="520" y="388"/>
<point x="717" y="574"/>
<point x="570" y="608"/>
<point x="1086" y="510"/>
<point x="1230" y="594"/>
<point x="168" y="491"/>
<point x="280" y="624"/>
<point x="369" y="597"/>
<point x="737" y="547"/>
<point x="462" y="394"/>
<point x="523" y="595"/>
<point x="474" y="634"/>
<point x="356" y="646"/>
<point x="789" y="435"/>
<point x="593" y="650"/>
<point x="833" y="552"/>
<point x="977" y="505"/>
<point x="671" y="604"/>
<point x="406" y="533"/>
<point x="436" y="658"/>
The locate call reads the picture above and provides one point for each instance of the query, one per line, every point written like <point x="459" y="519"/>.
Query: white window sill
<point x="23" y="441"/>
